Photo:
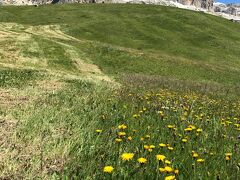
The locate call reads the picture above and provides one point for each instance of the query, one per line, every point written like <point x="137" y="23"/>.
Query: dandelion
<point x="188" y="129"/>
<point x="142" y="160"/>
<point x="161" y="113"/>
<point x="122" y="126"/>
<point x="168" y="169"/>
<point x="170" y="126"/>
<point x="169" y="177"/>
<point x="170" y="148"/>
<point x="176" y="171"/>
<point x="136" y="115"/>
<point x="151" y="146"/>
<point x="192" y="126"/>
<point x="98" y="130"/>
<point x="228" y="156"/>
<point x="127" y="156"/>
<point x="118" y="140"/>
<point x="194" y="154"/>
<point x="184" y="140"/>
<point x="146" y="147"/>
<point x="200" y="160"/>
<point x="160" y="157"/>
<point x="162" y="145"/>
<point x="199" y="130"/>
<point x="121" y="134"/>
<point x="167" y="162"/>
<point x="162" y="170"/>
<point x="108" y="169"/>
<point x="129" y="138"/>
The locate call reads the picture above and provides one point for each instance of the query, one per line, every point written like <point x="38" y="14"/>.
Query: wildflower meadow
<point x="167" y="135"/>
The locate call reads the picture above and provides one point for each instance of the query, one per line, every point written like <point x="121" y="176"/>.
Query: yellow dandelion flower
<point x="150" y="150"/>
<point x="141" y="139"/>
<point x="161" y="113"/>
<point x="200" y="160"/>
<point x="129" y="138"/>
<point x="98" y="130"/>
<point x="127" y="156"/>
<point x="152" y="146"/>
<point x="146" y="147"/>
<point x="136" y="115"/>
<point x="184" y="140"/>
<point x="160" y="157"/>
<point x="118" y="140"/>
<point x="122" y="126"/>
<point x="162" y="170"/>
<point x="199" y="130"/>
<point x="170" y="126"/>
<point x="228" y="154"/>
<point x="167" y="162"/>
<point x="195" y="155"/>
<point x="237" y="125"/>
<point x="169" y="177"/>
<point x="176" y="171"/>
<point x="142" y="160"/>
<point x="170" y="148"/>
<point x="188" y="129"/>
<point x="192" y="127"/>
<point x="108" y="169"/>
<point x="227" y="158"/>
<point x="168" y="169"/>
<point x="162" y="145"/>
<point x="121" y="134"/>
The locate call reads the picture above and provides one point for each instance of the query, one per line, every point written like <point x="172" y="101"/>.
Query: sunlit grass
<point x="175" y="114"/>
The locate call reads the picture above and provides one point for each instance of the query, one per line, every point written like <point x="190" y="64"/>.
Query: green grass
<point x="103" y="65"/>
<point x="12" y="78"/>
<point x="166" y="36"/>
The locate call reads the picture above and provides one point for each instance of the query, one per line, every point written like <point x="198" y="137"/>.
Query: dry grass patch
<point x="8" y="100"/>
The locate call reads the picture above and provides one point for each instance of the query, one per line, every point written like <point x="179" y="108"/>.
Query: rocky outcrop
<point x="232" y="9"/>
<point x="207" y="4"/>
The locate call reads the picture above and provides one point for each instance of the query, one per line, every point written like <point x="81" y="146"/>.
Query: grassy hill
<point x="140" y="75"/>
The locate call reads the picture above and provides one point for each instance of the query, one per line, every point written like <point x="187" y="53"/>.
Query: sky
<point x="228" y="1"/>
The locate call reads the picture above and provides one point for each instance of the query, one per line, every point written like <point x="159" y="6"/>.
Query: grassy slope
<point x="50" y="112"/>
<point x="175" y="43"/>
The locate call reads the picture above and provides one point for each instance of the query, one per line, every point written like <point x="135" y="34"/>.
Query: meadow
<point x="118" y="92"/>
